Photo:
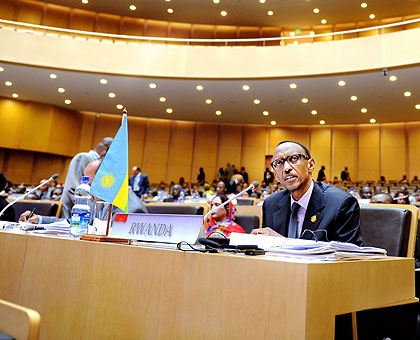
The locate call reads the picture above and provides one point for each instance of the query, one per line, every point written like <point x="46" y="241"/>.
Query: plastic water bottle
<point x="265" y="194"/>
<point x="80" y="213"/>
<point x="181" y="197"/>
<point x="355" y="194"/>
<point x="160" y="195"/>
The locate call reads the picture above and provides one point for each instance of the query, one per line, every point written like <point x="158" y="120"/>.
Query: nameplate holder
<point x="168" y="228"/>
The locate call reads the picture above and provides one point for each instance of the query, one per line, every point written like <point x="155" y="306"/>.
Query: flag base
<point x="103" y="238"/>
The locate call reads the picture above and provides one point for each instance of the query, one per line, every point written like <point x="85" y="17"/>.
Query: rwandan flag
<point x="111" y="181"/>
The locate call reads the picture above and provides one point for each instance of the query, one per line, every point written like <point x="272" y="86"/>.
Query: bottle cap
<point x="85" y="180"/>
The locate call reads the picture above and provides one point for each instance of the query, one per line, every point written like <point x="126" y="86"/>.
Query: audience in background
<point x="401" y="197"/>
<point x="268" y="176"/>
<point x="228" y="171"/>
<point x="139" y="182"/>
<point x="244" y="175"/>
<point x="365" y="193"/>
<point x="403" y="180"/>
<point x="9" y="214"/>
<point x="381" y="197"/>
<point x="201" y="177"/>
<point x="345" y="175"/>
<point x="321" y="175"/>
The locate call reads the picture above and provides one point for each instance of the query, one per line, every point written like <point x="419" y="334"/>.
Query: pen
<point x="31" y="214"/>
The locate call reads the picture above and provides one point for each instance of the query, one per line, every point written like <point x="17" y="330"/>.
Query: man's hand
<point x="24" y="218"/>
<point x="266" y="232"/>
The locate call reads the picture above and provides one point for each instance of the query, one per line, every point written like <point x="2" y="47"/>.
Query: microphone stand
<point x="53" y="177"/>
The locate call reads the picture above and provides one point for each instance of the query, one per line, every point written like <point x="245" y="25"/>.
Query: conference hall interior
<point x="209" y="89"/>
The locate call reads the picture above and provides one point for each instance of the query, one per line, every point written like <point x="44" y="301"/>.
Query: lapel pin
<point x="313" y="219"/>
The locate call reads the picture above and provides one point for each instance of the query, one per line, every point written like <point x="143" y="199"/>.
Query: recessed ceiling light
<point x="257" y="101"/>
<point x="312" y="33"/>
<point x="322" y="122"/>
<point x="103" y="81"/>
<point x="216" y="1"/>
<point x="208" y="101"/>
<point x="316" y="10"/>
<point x="8" y="83"/>
<point x="296" y="43"/>
<point x="270" y="12"/>
<point x="169" y="110"/>
<point x="53" y="76"/>
<point x="392" y="78"/>
<point x="168" y="0"/>
<point x="281" y="42"/>
<point x="273" y="122"/>
<point x="363" y="5"/>
<point x="417" y="106"/>
<point x="132" y="7"/>
<point x="292" y="34"/>
<point x="314" y="112"/>
<point x="15" y="95"/>
<point x="372" y="120"/>
<point x="199" y="88"/>
<point x="1" y="69"/>
<point x="218" y="112"/>
<point x="162" y="99"/>
<point x="353" y="98"/>
<point x="85" y="1"/>
<point x="170" y="10"/>
<point x="341" y="83"/>
<point x="245" y="87"/>
<point x="266" y="113"/>
<point x="223" y="13"/>
<point x="119" y="107"/>
<point x="67" y="101"/>
<point x="112" y="95"/>
<point x="152" y="85"/>
<point x="262" y="1"/>
<point x="407" y="93"/>
<point x="305" y="100"/>
<point x="372" y="16"/>
<point x="363" y="110"/>
<point x="323" y="21"/>
<point x="61" y="90"/>
<point x="293" y="86"/>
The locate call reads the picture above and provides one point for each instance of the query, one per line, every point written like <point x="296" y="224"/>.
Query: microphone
<point x="52" y="178"/>
<point x="252" y="186"/>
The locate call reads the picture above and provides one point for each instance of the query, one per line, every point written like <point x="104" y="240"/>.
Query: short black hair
<point x="3" y="181"/>
<point x="300" y="144"/>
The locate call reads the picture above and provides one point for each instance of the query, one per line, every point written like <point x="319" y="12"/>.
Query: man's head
<point x="103" y="146"/>
<point x="136" y="170"/>
<point x="293" y="167"/>
<point x="381" y="197"/>
<point x="365" y="192"/>
<point x="92" y="168"/>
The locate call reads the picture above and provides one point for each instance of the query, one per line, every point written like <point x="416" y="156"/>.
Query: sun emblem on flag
<point x="107" y="181"/>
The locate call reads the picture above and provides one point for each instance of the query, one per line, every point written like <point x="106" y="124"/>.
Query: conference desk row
<point x="87" y="290"/>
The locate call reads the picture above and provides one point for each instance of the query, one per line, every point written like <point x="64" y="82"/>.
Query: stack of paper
<point x="308" y="249"/>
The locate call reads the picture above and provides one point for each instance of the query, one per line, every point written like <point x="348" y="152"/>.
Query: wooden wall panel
<point x="254" y="151"/>
<point x="180" y="162"/>
<point x="206" y="147"/>
<point x="30" y="12"/>
<point x="108" y="23"/>
<point x="344" y="152"/>
<point x="7" y="9"/>
<point x="156" y="28"/>
<point x="393" y="151"/>
<point x="321" y="148"/>
<point x="105" y="126"/>
<point x="278" y="134"/>
<point x="369" y="153"/>
<point x="46" y="165"/>
<point x="230" y="146"/>
<point x="87" y="132"/>
<point x="136" y="139"/>
<point x="57" y="16"/>
<point x="83" y="20"/>
<point x="12" y="116"/>
<point x="179" y="30"/>
<point x="132" y="26"/>
<point x="156" y="156"/>
<point x="18" y="166"/>
<point x="413" y="150"/>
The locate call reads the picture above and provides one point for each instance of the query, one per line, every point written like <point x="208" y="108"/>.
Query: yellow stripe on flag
<point x="121" y="199"/>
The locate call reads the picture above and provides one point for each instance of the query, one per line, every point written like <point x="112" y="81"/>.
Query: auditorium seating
<point x="248" y="222"/>
<point x="45" y="208"/>
<point x="183" y="209"/>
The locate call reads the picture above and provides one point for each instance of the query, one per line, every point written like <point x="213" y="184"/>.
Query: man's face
<point x="135" y="171"/>
<point x="293" y="177"/>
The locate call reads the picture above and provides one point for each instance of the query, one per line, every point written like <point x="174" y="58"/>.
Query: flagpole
<point x="109" y="219"/>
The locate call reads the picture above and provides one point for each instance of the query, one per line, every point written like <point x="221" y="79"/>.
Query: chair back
<point x="44" y="208"/>
<point x="392" y="227"/>
<point x="248" y="222"/>
<point x="18" y="322"/>
<point x="245" y="201"/>
<point x="182" y="209"/>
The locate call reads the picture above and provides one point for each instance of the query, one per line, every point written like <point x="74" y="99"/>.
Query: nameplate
<point x="157" y="227"/>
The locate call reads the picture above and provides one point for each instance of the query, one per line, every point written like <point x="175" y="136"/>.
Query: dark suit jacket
<point x="329" y="208"/>
<point x="143" y="184"/>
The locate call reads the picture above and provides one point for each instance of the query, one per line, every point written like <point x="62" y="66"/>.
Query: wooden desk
<point x="105" y="291"/>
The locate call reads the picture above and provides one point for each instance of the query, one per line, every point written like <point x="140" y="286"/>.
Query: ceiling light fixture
<point x="112" y="95"/>
<point x="392" y="78"/>
<point x="305" y="100"/>
<point x="353" y="98"/>
<point x="85" y="1"/>
<point x="407" y="93"/>
<point x="218" y="113"/>
<point x="292" y="34"/>
<point x="53" y="76"/>
<point x="152" y="85"/>
<point x="363" y="110"/>
<point x="314" y="112"/>
<point x="208" y="101"/>
<point x="341" y="83"/>
<point x="245" y="87"/>
<point x="316" y="10"/>
<point x="199" y="87"/>
<point x="417" y="106"/>
<point x="170" y="10"/>
<point x="169" y="110"/>
<point x="132" y="7"/>
<point x="119" y="106"/>
<point x="323" y="21"/>
<point x="214" y="1"/>
<point x="223" y="13"/>
<point x="266" y="113"/>
<point x="162" y="99"/>
<point x="293" y="86"/>
<point x="273" y="122"/>
<point x="270" y="12"/>
<point x="103" y="81"/>
<point x="15" y="95"/>
<point x="67" y="101"/>
<point x="8" y="83"/>
<point x="363" y="5"/>
<point x="372" y="120"/>
<point x="372" y="16"/>
<point x="312" y="33"/>
<point x="322" y="122"/>
<point x="61" y="90"/>
<point x="296" y="42"/>
<point x="262" y="1"/>
<point x="1" y="69"/>
<point x="257" y="101"/>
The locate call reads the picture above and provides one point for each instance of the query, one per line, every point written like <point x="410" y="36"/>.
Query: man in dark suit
<point x="307" y="209"/>
<point x="139" y="182"/>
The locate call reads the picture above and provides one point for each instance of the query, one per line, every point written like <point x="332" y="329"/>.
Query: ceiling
<point x="384" y="100"/>
<point x="291" y="13"/>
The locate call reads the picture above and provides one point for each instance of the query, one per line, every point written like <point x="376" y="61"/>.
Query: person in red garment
<point x="221" y="221"/>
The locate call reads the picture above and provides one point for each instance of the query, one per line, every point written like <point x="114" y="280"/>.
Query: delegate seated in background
<point x="221" y="221"/>
<point x="381" y="198"/>
<point x="401" y="197"/>
<point x="9" y="214"/>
